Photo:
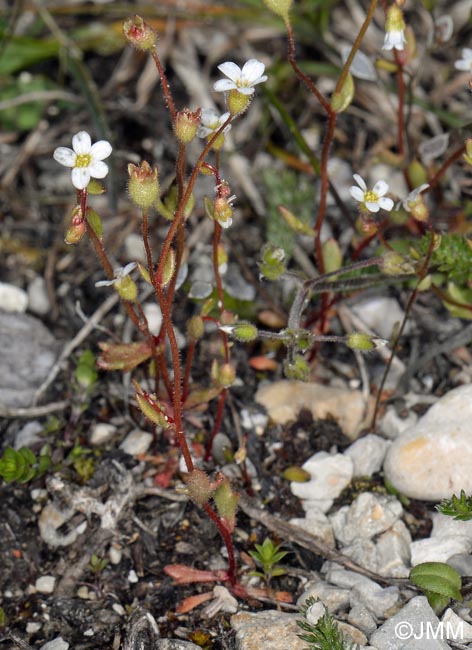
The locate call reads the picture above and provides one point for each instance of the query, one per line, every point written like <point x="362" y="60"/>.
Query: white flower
<point x="394" y="29"/>
<point x="243" y="80"/>
<point x="85" y="159"/>
<point x="373" y="199"/>
<point x="394" y="39"/>
<point x="465" y="63"/>
<point x="118" y="273"/>
<point x="413" y="196"/>
<point x="211" y="122"/>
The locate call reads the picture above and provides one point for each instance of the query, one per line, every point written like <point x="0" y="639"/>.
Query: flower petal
<point x="101" y="150"/>
<point x="80" y="177"/>
<point x="209" y="118"/>
<point x="105" y="283"/>
<point x="97" y="169"/>
<point x="224" y="84"/>
<point x="380" y="188"/>
<point x="246" y="90"/>
<point x="81" y="142"/>
<point x="252" y="70"/>
<point x="385" y="203"/>
<point x="357" y="193"/>
<point x="231" y="70"/>
<point x="65" y="156"/>
<point x="360" y="181"/>
<point x="371" y="206"/>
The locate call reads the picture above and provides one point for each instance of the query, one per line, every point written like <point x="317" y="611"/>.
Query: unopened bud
<point x="237" y="102"/>
<point x="226" y="375"/>
<point x="143" y="184"/>
<point x="195" y="327"/>
<point x="186" y="125"/>
<point x="139" y="34"/>
<point x="279" y="7"/>
<point x="199" y="487"/>
<point x="223" y="212"/>
<point x="363" y="342"/>
<point x="76" y="230"/>
<point x="169" y="268"/>
<point x="297" y="369"/>
<point x="273" y="262"/>
<point x="242" y="331"/>
<point x="150" y="407"/>
<point x="468" y="150"/>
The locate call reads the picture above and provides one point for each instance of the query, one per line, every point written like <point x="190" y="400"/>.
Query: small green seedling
<point x="22" y="465"/>
<point x="267" y="555"/>
<point x="97" y="564"/>
<point x="439" y="582"/>
<point x="457" y="507"/>
<point x="322" y="635"/>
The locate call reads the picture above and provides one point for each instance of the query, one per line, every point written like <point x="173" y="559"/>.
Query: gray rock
<point x="392" y="425"/>
<point x="175" y="644"/>
<point x="360" y="617"/>
<point x="432" y="460"/>
<point x="28" y="354"/>
<point x="382" y="602"/>
<point x="29" y="434"/>
<point x="318" y="524"/>
<point x="462" y="563"/>
<point x="101" y="433"/>
<point x="56" y="644"/>
<point x="393" y="551"/>
<point x="439" y="549"/>
<point x="367" y="454"/>
<point x="444" y="526"/>
<point x="380" y="313"/>
<point x="415" y="618"/>
<point x="368" y="515"/>
<point x="136" y="442"/>
<point x="333" y="598"/>
<point x="362" y="552"/>
<point x="267" y="630"/>
<point x="456" y="628"/>
<point x="45" y="584"/>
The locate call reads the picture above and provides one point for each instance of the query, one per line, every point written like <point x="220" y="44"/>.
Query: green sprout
<point x="458" y="507"/>
<point x="22" y="465"/>
<point x="267" y="555"/>
<point x="97" y="565"/>
<point x="322" y="635"/>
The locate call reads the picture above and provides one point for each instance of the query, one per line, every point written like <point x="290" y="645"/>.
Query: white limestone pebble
<point x="367" y="454"/>
<point x="432" y="460"/>
<point x="136" y="442"/>
<point x="56" y="644"/>
<point x="284" y="400"/>
<point x="101" y="433"/>
<point x="38" y="299"/>
<point x="45" y="584"/>
<point x="369" y="514"/>
<point x="318" y="524"/>
<point x="330" y="474"/>
<point x="12" y="298"/>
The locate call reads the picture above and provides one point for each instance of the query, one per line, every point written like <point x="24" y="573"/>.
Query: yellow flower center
<point x="370" y="197"/>
<point x="83" y="160"/>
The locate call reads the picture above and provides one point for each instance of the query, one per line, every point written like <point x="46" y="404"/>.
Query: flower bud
<point x="242" y="331"/>
<point x="297" y="369"/>
<point x="279" y="7"/>
<point x="150" y="407"/>
<point x="186" y="125"/>
<point x="169" y="268"/>
<point x="139" y="34"/>
<point x="199" y="487"/>
<point x="226" y="375"/>
<point x="364" y="342"/>
<point x="143" y="184"/>
<point x="223" y="212"/>
<point x="237" y="102"/>
<point x="195" y="327"/>
<point x="273" y="262"/>
<point x="468" y="151"/>
<point x="417" y="173"/>
<point x="76" y="230"/>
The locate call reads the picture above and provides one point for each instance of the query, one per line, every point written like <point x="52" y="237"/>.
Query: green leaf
<point x="437" y="578"/>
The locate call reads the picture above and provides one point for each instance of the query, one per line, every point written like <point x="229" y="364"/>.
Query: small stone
<point x="12" y="298"/>
<point x="352" y="634"/>
<point x="83" y="593"/>
<point x="45" y="584"/>
<point x="362" y="552"/>
<point x="115" y="554"/>
<point x="28" y="436"/>
<point x="153" y="313"/>
<point x="432" y="460"/>
<point x="462" y="563"/>
<point x="368" y="515"/>
<point x="38" y="299"/>
<point x="119" y="609"/>
<point x="318" y="524"/>
<point x="360" y="617"/>
<point x="414" y="619"/>
<point x="392" y="425"/>
<point x="456" y="629"/>
<point x="101" y="433"/>
<point x="285" y="399"/>
<point x="381" y="602"/>
<point x="333" y="598"/>
<point x="367" y="454"/>
<point x="444" y="526"/>
<point x="136" y="442"/>
<point x="32" y="627"/>
<point x="132" y="577"/>
<point x="56" y="644"/>
<point x="269" y="629"/>
<point x="380" y="314"/>
<point x="439" y="549"/>
<point x="393" y="551"/>
<point x="330" y="474"/>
